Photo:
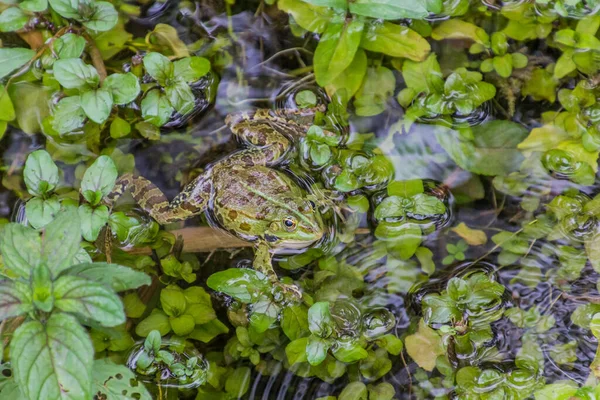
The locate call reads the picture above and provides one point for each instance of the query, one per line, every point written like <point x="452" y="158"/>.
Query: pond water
<point x="454" y="169"/>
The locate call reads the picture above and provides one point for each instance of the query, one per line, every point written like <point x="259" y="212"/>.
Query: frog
<point x="244" y="193"/>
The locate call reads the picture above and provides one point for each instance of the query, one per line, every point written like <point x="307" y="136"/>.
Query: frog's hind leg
<point x="193" y="200"/>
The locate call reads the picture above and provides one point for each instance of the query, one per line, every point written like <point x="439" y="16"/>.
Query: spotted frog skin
<point x="242" y="192"/>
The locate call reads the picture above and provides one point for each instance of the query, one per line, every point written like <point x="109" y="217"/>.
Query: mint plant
<point x="57" y="297"/>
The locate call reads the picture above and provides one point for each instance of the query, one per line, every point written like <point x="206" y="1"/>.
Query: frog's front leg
<point x="192" y="200"/>
<point x="263" y="262"/>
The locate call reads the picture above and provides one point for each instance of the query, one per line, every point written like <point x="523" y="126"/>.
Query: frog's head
<point x="294" y="224"/>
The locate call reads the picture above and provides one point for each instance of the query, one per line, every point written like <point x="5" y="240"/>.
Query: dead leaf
<point x="474" y="237"/>
<point x="425" y="346"/>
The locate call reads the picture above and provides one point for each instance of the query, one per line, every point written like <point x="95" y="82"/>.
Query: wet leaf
<point x="190" y="69"/>
<point x="316" y="350"/>
<point x="395" y="40"/>
<point x="424" y="346"/>
<point x="124" y="87"/>
<point x="378" y="86"/>
<point x="458" y="29"/>
<point x="159" y="67"/>
<point x="294" y="321"/>
<point x="156" y="108"/>
<point x="336" y="50"/>
<point x="310" y="17"/>
<point x="180" y="96"/>
<point x="493" y="150"/>
<point x="474" y="237"/>
<point x="241" y="284"/>
<point x="389" y="9"/>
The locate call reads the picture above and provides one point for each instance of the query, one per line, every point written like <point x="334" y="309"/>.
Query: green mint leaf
<point x="13" y="58"/>
<point x="61" y="241"/>
<point x="52" y="360"/>
<point x="69" y="45"/>
<point x="113" y="381"/>
<point x="68" y="115"/>
<point x="117" y="277"/>
<point x="12" y="19"/>
<point x="180" y="96"/>
<point x="34" y="5"/>
<point x="66" y="8"/>
<point x="156" y="108"/>
<point x="41" y="285"/>
<point x="20" y="247"/>
<point x="125" y="88"/>
<point x="97" y="104"/>
<point x="15" y="300"/>
<point x="100" y="176"/>
<point x="73" y="73"/>
<point x="40" y="173"/>
<point x="159" y="67"/>
<point x="40" y="212"/>
<point x="103" y="18"/>
<point x="92" y="220"/>
<point x="190" y="69"/>
<point x="377" y="87"/>
<point x="89" y="300"/>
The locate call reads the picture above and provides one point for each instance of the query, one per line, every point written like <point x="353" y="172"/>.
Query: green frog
<point x="243" y="192"/>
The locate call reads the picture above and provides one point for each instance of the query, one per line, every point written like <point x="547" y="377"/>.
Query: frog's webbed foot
<point x="263" y="263"/>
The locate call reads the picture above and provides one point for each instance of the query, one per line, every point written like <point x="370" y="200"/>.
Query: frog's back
<point x="246" y="197"/>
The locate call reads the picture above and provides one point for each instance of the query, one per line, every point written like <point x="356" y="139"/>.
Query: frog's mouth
<point x="292" y="244"/>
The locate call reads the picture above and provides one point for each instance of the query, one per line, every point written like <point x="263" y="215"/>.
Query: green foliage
<point x="57" y="298"/>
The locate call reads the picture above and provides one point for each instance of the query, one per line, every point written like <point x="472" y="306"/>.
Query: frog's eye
<point x="290" y="224"/>
<point x="312" y="204"/>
